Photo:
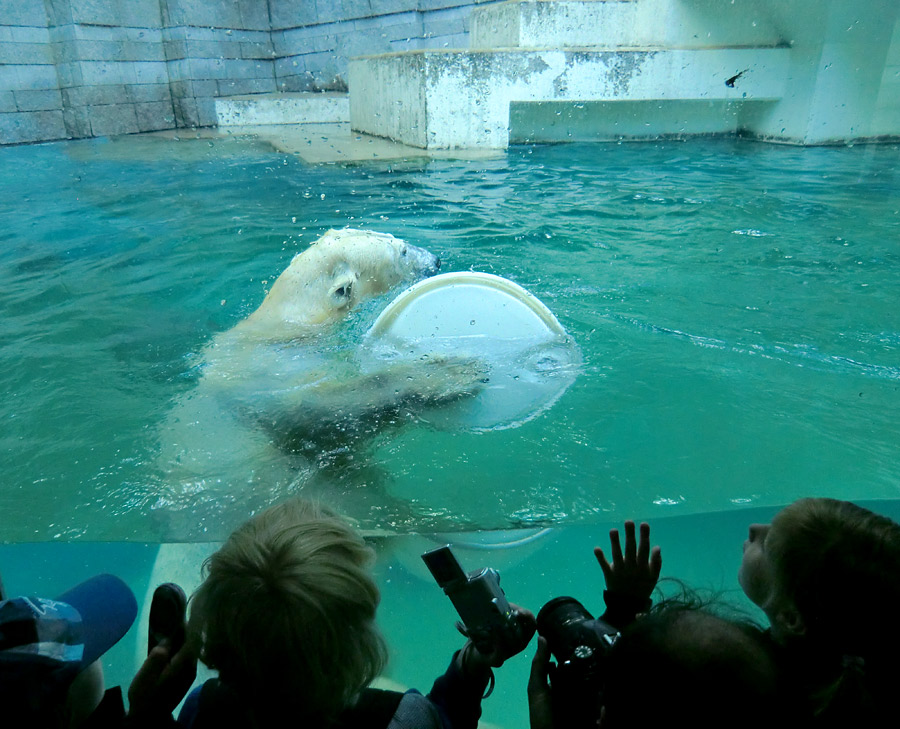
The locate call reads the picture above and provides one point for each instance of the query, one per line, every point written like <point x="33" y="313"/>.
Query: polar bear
<point x="336" y="273"/>
<point x="277" y="402"/>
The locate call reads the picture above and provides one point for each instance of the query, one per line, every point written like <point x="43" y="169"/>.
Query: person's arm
<point x="631" y="576"/>
<point x="457" y="694"/>
<point x="469" y="678"/>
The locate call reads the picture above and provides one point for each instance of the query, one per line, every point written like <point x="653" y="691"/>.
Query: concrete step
<point x="531" y="24"/>
<point x="620" y="24"/>
<point x="330" y="143"/>
<point x="463" y="99"/>
<point x="282" y="108"/>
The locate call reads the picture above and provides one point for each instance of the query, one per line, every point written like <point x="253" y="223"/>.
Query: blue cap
<point x="45" y="643"/>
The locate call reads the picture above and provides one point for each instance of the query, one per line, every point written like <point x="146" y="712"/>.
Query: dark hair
<point x="685" y="656"/>
<point x="839" y="564"/>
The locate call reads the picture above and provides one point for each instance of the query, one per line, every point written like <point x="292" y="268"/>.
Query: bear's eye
<point x="404" y="251"/>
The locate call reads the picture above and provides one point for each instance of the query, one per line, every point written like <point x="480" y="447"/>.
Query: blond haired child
<point x="286" y="614"/>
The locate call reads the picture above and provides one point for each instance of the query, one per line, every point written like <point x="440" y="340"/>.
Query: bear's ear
<point x="342" y="290"/>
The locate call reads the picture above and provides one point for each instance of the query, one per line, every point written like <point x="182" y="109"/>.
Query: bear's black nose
<point x="437" y="263"/>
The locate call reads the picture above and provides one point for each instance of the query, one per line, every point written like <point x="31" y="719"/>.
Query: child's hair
<point x="686" y="658"/>
<point x="286" y="613"/>
<point x="840" y="566"/>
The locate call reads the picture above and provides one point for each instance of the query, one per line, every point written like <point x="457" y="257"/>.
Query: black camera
<point x="487" y="618"/>
<point x="580" y="644"/>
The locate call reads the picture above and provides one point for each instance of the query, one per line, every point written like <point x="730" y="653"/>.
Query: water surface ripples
<point x="736" y="304"/>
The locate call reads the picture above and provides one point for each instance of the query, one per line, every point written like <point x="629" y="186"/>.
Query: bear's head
<point x="341" y="269"/>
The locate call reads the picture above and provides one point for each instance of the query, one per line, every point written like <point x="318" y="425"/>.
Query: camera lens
<point x="561" y="611"/>
<point x="580" y="644"/>
<point x="559" y="622"/>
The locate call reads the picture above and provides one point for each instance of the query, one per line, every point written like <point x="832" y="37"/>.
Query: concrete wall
<point x="215" y="49"/>
<point x="82" y="68"/>
<point x="31" y="104"/>
<point x="843" y="82"/>
<point x="886" y="119"/>
<point x="314" y="39"/>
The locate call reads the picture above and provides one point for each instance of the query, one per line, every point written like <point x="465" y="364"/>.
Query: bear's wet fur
<point x="276" y="412"/>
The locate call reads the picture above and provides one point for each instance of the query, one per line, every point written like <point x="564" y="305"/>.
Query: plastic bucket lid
<point x="467" y="304"/>
<point x="531" y="358"/>
<point x="501" y="549"/>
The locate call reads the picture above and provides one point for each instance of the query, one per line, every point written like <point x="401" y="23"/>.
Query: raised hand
<point x="161" y="682"/>
<point x="636" y="572"/>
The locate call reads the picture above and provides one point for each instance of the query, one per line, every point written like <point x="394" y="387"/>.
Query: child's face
<point x="757" y="573"/>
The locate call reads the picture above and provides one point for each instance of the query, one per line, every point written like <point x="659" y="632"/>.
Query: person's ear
<point x="789" y="622"/>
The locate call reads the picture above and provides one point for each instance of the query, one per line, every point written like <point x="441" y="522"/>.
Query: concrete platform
<point x="613" y="23"/>
<point x="596" y="70"/>
<point x="323" y="143"/>
<point x="461" y="99"/>
<point x="333" y="143"/>
<point x="282" y="108"/>
<point x="622" y="24"/>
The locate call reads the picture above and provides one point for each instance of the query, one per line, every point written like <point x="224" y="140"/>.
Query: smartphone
<point x="167" y="613"/>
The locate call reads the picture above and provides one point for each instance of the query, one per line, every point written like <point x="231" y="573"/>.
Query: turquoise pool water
<point x="736" y="306"/>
